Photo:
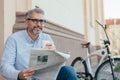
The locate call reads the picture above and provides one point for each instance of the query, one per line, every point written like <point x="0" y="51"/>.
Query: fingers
<point x="47" y="45"/>
<point x="26" y="74"/>
<point x="29" y="70"/>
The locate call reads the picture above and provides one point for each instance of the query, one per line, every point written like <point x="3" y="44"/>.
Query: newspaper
<point x="47" y="63"/>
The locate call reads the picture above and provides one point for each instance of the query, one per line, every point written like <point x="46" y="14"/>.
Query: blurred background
<point x="69" y="22"/>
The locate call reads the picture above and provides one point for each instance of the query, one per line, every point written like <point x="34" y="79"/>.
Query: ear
<point x="26" y="23"/>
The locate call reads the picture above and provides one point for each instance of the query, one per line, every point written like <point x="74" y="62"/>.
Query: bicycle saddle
<point x="85" y="44"/>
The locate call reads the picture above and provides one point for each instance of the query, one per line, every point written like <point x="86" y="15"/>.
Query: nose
<point x="40" y="24"/>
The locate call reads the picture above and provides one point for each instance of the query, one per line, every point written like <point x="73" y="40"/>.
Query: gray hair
<point x="36" y="10"/>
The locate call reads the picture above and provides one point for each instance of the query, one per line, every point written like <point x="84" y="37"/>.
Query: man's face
<point x="35" y="23"/>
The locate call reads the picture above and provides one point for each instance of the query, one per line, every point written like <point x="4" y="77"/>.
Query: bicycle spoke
<point x="104" y="71"/>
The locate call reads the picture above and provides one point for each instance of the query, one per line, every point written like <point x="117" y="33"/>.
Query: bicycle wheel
<point x="104" y="71"/>
<point x="81" y="69"/>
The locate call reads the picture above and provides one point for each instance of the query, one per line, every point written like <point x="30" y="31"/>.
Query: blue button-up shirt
<point x="17" y="52"/>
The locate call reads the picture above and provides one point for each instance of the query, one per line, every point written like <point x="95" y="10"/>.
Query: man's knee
<point x="70" y="71"/>
<point x="67" y="68"/>
<point x="67" y="73"/>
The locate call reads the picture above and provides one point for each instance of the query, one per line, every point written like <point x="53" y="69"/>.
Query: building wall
<point x="113" y="32"/>
<point x="68" y="13"/>
<point x="1" y="26"/>
<point x="23" y="5"/>
<point x="93" y="10"/>
<point x="7" y="20"/>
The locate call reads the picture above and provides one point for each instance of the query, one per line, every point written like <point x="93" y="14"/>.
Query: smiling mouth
<point x="37" y="28"/>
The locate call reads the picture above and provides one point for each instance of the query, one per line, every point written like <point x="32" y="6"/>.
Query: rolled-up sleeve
<point x="7" y="66"/>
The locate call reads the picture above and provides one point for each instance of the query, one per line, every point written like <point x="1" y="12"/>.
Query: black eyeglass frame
<point x="37" y="20"/>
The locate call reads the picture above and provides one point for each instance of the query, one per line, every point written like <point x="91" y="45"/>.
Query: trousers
<point x="67" y="73"/>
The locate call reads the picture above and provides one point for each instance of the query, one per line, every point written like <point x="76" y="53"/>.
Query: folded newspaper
<point x="47" y="63"/>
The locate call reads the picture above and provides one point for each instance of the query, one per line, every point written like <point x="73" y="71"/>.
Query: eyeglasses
<point x="42" y="21"/>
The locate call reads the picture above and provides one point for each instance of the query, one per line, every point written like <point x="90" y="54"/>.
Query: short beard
<point x="36" y="32"/>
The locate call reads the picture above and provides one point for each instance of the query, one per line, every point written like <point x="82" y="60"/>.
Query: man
<point x="15" y="60"/>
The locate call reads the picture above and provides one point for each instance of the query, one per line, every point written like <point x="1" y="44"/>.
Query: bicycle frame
<point x="95" y="53"/>
<point x="102" y="61"/>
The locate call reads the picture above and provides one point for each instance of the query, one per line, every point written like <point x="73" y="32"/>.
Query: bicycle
<point x="82" y="64"/>
<point x="107" y="69"/>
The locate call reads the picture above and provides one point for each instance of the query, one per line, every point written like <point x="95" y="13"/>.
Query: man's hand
<point x="26" y="74"/>
<point x="48" y="45"/>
